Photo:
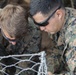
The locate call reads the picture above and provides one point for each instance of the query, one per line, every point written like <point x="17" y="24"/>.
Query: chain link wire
<point x="20" y="62"/>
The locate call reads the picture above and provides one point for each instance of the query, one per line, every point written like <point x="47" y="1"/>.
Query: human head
<point x="13" y="22"/>
<point x="48" y="14"/>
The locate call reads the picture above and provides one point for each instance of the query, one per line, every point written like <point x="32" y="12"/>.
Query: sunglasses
<point x="12" y="40"/>
<point x="45" y="23"/>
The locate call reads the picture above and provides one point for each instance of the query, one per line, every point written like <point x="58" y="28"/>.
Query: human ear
<point x="59" y="14"/>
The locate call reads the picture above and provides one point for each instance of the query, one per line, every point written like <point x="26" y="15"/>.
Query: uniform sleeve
<point x="70" y="55"/>
<point x="71" y="52"/>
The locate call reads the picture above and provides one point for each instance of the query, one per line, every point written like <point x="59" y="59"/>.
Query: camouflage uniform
<point x="27" y="44"/>
<point x="30" y="43"/>
<point x="65" y="41"/>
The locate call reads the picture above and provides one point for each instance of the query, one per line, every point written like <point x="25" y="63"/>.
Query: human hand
<point x="49" y="73"/>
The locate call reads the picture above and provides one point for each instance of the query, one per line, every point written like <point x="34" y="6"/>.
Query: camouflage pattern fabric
<point x="61" y="58"/>
<point x="28" y="44"/>
<point x="65" y="41"/>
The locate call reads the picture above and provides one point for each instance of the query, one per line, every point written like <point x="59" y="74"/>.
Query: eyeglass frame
<point x="45" y="23"/>
<point x="12" y="40"/>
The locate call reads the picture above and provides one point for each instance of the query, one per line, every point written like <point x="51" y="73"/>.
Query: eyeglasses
<point x="45" y="23"/>
<point x="12" y="40"/>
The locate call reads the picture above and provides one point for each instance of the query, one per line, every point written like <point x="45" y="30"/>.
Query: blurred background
<point x="67" y="3"/>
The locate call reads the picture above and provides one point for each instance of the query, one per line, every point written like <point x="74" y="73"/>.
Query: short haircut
<point x="44" y="6"/>
<point x="13" y="20"/>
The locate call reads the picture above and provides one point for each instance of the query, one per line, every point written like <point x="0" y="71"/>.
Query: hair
<point x="44" y="6"/>
<point x="13" y="20"/>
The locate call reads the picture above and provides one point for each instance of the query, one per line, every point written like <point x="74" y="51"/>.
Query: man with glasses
<point x="19" y="36"/>
<point x="60" y="23"/>
<point x="13" y="25"/>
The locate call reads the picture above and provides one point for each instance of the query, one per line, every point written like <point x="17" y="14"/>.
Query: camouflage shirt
<point x="30" y="43"/>
<point x="65" y="40"/>
<point x="26" y="45"/>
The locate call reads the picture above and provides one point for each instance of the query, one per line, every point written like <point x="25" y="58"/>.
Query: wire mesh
<point x="23" y="64"/>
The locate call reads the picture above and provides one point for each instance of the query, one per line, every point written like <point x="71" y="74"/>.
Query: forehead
<point x="39" y="17"/>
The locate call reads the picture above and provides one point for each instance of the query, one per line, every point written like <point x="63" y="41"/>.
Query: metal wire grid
<point x="25" y="58"/>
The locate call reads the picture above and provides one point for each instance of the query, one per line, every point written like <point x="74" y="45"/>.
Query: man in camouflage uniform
<point x="23" y="40"/>
<point x="27" y="44"/>
<point x="60" y="23"/>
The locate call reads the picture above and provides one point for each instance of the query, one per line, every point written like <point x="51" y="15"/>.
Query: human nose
<point x="42" y="28"/>
<point x="13" y="43"/>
